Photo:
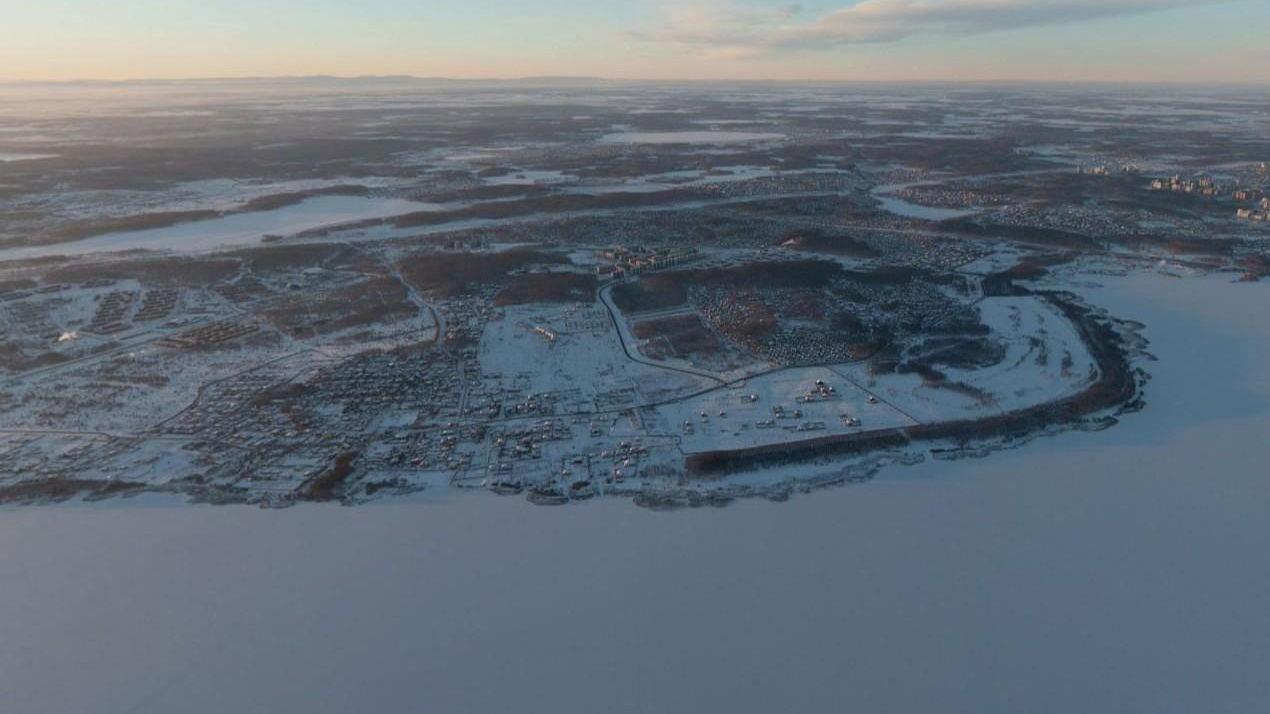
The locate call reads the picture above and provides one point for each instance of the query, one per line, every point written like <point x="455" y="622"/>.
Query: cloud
<point x="725" y="31"/>
<point x="718" y="29"/>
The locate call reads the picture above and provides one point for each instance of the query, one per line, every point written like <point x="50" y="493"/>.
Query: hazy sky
<point x="1179" y="40"/>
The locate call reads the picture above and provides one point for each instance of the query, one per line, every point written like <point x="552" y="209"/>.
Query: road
<point x="603" y="295"/>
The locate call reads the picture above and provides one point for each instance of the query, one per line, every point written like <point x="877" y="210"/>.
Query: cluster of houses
<point x="210" y="334"/>
<point x="1107" y="170"/>
<point x="1255" y="215"/>
<point x="1202" y="185"/>
<point x="1260" y="211"/>
<point x="158" y="303"/>
<point x="112" y="312"/>
<point x="641" y="259"/>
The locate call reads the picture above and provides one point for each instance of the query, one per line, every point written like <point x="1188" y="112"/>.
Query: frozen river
<point x="233" y="230"/>
<point x="1120" y="571"/>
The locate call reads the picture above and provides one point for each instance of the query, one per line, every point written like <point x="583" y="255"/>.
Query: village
<point x="216" y="391"/>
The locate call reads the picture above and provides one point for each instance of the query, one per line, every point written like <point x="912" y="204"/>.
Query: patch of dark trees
<point x="329" y="485"/>
<point x="547" y="287"/>
<point x="1036" y="235"/>
<point x="1256" y="266"/>
<point x="819" y="241"/>
<point x="54" y="490"/>
<point x="454" y="274"/>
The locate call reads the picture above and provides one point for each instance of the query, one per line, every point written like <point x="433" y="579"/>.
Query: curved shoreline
<point x="1117" y="386"/>
<point x="1116" y="389"/>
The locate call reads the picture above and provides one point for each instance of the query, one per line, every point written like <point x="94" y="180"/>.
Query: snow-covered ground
<point x="587" y="361"/>
<point x="1118" y="571"/>
<point x="140" y="382"/>
<point x="9" y="157"/>
<point x="122" y="396"/>
<point x="688" y="137"/>
<point x="1045" y="360"/>
<point x="745" y="414"/>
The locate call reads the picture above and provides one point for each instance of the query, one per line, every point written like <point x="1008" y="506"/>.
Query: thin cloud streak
<point x="722" y="31"/>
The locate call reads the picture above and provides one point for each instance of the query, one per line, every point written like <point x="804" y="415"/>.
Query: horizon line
<point x="599" y="79"/>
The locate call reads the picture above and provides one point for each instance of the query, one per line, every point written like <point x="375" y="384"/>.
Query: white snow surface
<point x="687" y="137"/>
<point x="583" y="364"/>
<point x="742" y="416"/>
<point x="1037" y="339"/>
<point x="8" y="157"/>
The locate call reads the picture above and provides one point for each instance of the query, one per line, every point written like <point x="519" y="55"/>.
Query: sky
<point x="1053" y="40"/>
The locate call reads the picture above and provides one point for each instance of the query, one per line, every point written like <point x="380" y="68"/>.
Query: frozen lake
<point x="900" y="207"/>
<point x="908" y="209"/>
<point x="1119" y="571"/>
<point x="234" y="230"/>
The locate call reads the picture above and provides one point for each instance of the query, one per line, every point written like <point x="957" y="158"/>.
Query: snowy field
<point x="746" y="415"/>
<point x="1045" y="360"/>
<point x="1118" y="571"/>
<point x="587" y="360"/>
